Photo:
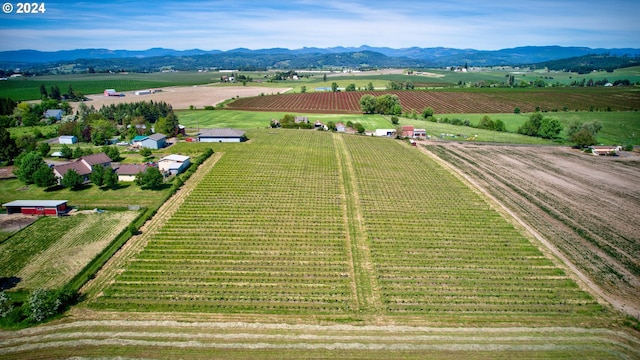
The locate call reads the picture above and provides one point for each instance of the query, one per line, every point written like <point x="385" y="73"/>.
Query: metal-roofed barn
<point x="222" y="135"/>
<point x="37" y="207"/>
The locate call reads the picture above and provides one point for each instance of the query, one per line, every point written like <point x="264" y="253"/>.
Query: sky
<point x="225" y="25"/>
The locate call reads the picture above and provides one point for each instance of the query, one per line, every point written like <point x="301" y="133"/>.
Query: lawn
<point x="258" y="120"/>
<point x="88" y="198"/>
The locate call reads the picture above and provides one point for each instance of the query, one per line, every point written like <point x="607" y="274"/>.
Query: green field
<point x="25" y="88"/>
<point x="617" y="127"/>
<point x="313" y="223"/>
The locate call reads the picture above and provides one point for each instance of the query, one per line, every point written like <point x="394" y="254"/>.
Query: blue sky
<point x="224" y="25"/>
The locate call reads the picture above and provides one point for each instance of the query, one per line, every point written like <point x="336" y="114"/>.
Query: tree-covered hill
<point x="588" y="63"/>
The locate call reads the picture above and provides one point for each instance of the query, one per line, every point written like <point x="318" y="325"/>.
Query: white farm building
<point x="221" y="135"/>
<point x="174" y="164"/>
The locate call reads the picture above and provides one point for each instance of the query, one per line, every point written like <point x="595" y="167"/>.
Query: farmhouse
<point x="67" y="139"/>
<point x="340" y="127"/>
<point x="153" y="141"/>
<point x="128" y="172"/>
<point x="37" y="207"/>
<point x="83" y="166"/>
<point x="57" y="114"/>
<point x="174" y="164"/>
<point x="221" y="135"/>
<point x="407" y="131"/>
<point x="385" y="132"/>
<point x="301" y="119"/>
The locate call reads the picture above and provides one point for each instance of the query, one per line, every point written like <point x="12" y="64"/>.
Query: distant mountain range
<point x="363" y="56"/>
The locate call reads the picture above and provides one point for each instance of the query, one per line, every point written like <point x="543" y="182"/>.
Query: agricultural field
<point x="453" y="101"/>
<point x="182" y="97"/>
<point x="586" y="206"/>
<point x="49" y="252"/>
<point x="27" y="88"/>
<point x="314" y="223"/>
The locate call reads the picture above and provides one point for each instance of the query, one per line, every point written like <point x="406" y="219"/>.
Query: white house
<point x="340" y="127"/>
<point x="174" y="164"/>
<point x="67" y="139"/>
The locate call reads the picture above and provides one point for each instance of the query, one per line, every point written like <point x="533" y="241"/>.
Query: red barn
<point x="37" y="207"/>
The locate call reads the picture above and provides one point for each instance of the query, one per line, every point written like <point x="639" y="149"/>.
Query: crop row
<point x="436" y="242"/>
<point x="262" y="231"/>
<point x="448" y="102"/>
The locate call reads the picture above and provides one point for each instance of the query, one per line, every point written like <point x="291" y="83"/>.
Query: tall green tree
<point x="368" y="103"/>
<point x="151" y="178"/>
<point x="44" y="177"/>
<point x="112" y="152"/>
<point x="334" y="86"/>
<point x="110" y="178"/>
<point x="43" y="92"/>
<point x="44" y="149"/>
<point x="26" y="164"/>
<point x="370" y="86"/>
<point x="9" y="149"/>
<point x="427" y="112"/>
<point x="72" y="180"/>
<point x="97" y="176"/>
<point x="66" y="152"/>
<point x="550" y="128"/>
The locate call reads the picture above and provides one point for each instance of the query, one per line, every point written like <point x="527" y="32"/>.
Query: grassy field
<point x="28" y="88"/>
<point x="48" y="253"/>
<point x="617" y="127"/>
<point x="347" y="228"/>
<point x="260" y="120"/>
<point x="89" y="197"/>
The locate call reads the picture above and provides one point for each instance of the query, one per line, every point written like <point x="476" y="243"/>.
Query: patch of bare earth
<point x="183" y="97"/>
<point x="586" y="209"/>
<point x="15" y="222"/>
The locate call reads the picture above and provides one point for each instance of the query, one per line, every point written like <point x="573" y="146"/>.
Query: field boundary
<point x="368" y="292"/>
<point x="131" y="337"/>
<point x="543" y="244"/>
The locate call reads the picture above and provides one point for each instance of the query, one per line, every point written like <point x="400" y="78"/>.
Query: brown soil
<point x="183" y="97"/>
<point x="584" y="209"/>
<point x="15" y="222"/>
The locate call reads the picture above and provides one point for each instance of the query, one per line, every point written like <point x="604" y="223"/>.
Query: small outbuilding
<point x="67" y="139"/>
<point x="56" y="113"/>
<point x="37" y="207"/>
<point x="153" y="141"/>
<point x="385" y="132"/>
<point x="222" y="135"/>
<point x="174" y="164"/>
<point x="340" y="127"/>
